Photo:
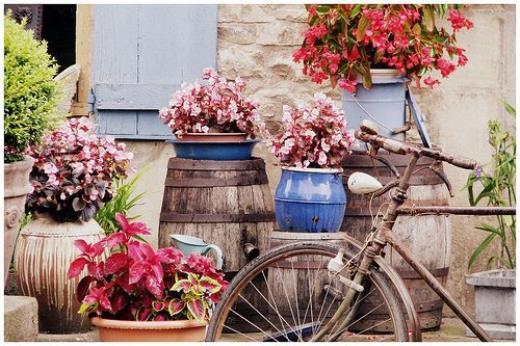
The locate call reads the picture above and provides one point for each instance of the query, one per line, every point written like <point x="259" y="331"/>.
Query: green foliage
<point x="124" y="200"/>
<point x="497" y="189"/>
<point x="30" y="93"/>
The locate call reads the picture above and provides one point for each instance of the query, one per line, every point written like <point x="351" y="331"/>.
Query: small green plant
<point x="498" y="189"/>
<point x="124" y="200"/>
<point x="30" y="93"/>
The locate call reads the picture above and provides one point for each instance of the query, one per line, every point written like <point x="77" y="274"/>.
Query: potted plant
<point x="495" y="289"/>
<point x="30" y="98"/>
<point x="139" y="294"/>
<point x="310" y="196"/>
<point x="381" y="47"/>
<point x="213" y="120"/>
<point x="71" y="179"/>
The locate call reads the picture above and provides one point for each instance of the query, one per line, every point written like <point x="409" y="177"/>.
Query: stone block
<point x="20" y="318"/>
<point x="280" y="33"/>
<point x="237" y="33"/>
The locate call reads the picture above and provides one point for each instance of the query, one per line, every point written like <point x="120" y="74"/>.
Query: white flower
<point x="306" y="163"/>
<point x="322" y="158"/>
<point x="325" y="146"/>
<point x="309" y="133"/>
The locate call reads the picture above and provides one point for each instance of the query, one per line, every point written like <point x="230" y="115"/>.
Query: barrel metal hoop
<point x="259" y="178"/>
<point x="214" y="218"/>
<point x="211" y="165"/>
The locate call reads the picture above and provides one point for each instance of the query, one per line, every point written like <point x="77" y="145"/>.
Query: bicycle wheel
<point x="288" y="294"/>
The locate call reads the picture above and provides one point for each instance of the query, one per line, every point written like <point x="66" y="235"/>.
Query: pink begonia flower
<point x="317" y="131"/>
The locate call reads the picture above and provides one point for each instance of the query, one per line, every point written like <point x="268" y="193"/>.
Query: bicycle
<point x="347" y="283"/>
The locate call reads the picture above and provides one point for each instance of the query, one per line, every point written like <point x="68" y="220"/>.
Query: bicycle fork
<point x="335" y="326"/>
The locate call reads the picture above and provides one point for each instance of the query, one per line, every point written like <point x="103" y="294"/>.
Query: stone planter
<point x="44" y="251"/>
<point x="150" y="331"/>
<point x="16" y="188"/>
<point x="495" y="302"/>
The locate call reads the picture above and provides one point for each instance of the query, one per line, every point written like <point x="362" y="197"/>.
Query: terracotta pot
<point x="213" y="137"/>
<point x="16" y="188"/>
<point x="176" y="331"/>
<point x="44" y="251"/>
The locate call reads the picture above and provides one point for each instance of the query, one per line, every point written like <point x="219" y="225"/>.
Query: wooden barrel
<point x="427" y="236"/>
<point x="227" y="203"/>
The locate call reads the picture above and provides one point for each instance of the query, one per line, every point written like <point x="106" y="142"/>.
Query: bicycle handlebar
<point x="401" y="148"/>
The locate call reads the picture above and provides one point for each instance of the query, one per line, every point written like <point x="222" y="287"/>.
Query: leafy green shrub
<point x="498" y="190"/>
<point x="30" y="93"/>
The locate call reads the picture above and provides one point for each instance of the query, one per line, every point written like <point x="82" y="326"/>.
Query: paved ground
<point x="452" y="330"/>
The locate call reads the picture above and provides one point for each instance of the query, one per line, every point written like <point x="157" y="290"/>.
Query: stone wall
<point x="257" y="42"/>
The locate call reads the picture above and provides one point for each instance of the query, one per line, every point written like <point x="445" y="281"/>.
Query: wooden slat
<point x="211" y="165"/>
<point x="133" y="96"/>
<point x="244" y="180"/>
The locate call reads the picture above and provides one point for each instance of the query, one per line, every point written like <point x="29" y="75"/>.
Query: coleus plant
<point x="136" y="282"/>
<point x="73" y="171"/>
<point x="313" y="136"/>
<point x="344" y="41"/>
<point x="213" y="105"/>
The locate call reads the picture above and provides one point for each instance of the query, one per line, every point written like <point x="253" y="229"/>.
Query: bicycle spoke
<point x="251" y="323"/>
<point x="259" y="313"/>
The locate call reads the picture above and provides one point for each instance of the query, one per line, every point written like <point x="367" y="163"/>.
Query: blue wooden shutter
<point x="142" y="54"/>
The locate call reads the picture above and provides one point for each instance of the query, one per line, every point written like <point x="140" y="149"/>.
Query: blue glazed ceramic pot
<point x="310" y="200"/>
<point x="219" y="151"/>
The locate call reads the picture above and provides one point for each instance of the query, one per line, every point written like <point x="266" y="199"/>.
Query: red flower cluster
<point x="346" y="41"/>
<point x="138" y="283"/>
<point x="73" y="171"/>
<point x="314" y="136"/>
<point x="213" y="105"/>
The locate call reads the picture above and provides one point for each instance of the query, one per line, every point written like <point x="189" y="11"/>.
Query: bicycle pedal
<point x="349" y="283"/>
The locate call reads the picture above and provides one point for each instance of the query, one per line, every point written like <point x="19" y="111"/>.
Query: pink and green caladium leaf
<point x="169" y="255"/>
<point x="158" y="305"/>
<point x="210" y="284"/>
<point x="115" y="262"/>
<point x="116" y="239"/>
<point x="197" y="308"/>
<point x="76" y="267"/>
<point x="184" y="285"/>
<point x="96" y="270"/>
<point x="176" y="306"/>
<point x="154" y="287"/>
<point x="137" y="271"/>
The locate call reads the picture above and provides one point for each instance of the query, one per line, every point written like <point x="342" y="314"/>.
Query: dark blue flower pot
<point x="310" y="200"/>
<point x="385" y="102"/>
<point x="219" y="151"/>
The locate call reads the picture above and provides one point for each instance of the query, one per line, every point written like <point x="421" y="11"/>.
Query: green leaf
<point x="489" y="228"/>
<point x="322" y="10"/>
<point x="355" y="11"/>
<point x="510" y="109"/>
<point x="476" y="253"/>
<point x="362" y="27"/>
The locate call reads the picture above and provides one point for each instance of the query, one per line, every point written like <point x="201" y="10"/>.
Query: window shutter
<point x="142" y="54"/>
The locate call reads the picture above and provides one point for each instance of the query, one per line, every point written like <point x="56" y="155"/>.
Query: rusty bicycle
<point x="350" y="293"/>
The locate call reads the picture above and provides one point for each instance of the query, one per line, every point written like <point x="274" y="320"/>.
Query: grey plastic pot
<point x="495" y="302"/>
<point x="384" y="103"/>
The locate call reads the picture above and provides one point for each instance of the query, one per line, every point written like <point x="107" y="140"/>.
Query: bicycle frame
<point x="383" y="235"/>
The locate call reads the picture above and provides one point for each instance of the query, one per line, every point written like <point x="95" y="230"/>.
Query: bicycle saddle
<point x="361" y="183"/>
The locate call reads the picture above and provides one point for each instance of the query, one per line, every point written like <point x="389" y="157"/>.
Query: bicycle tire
<point x="251" y="271"/>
